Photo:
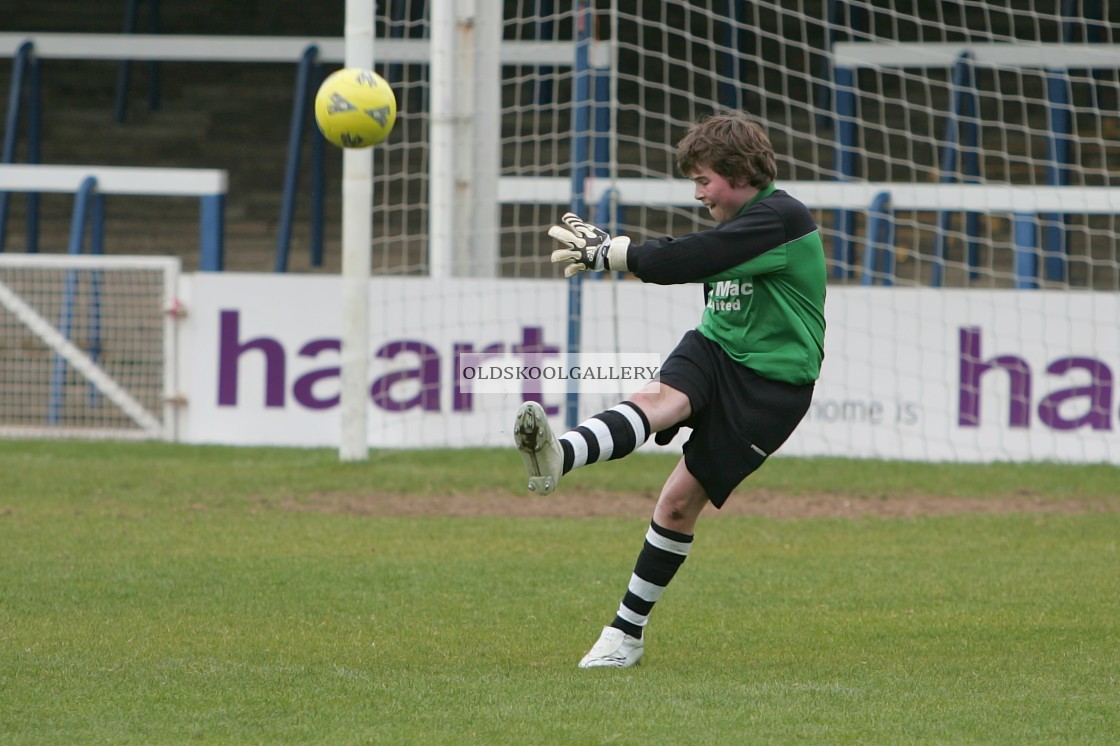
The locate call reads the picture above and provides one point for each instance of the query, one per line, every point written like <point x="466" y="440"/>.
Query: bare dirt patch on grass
<point x="756" y="503"/>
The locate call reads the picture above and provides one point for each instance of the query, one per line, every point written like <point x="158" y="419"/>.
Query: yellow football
<point x="355" y="108"/>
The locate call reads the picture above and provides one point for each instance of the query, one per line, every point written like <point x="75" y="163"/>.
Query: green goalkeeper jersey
<point x="764" y="272"/>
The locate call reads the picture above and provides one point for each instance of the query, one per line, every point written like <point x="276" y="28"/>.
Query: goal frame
<point x="148" y="425"/>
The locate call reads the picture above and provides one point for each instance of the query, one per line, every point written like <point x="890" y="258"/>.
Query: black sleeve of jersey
<point x="766" y="225"/>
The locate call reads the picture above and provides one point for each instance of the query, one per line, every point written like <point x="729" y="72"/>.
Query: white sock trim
<point x="636" y="423"/>
<point x="602" y="434"/>
<point x="645" y="590"/>
<point x="659" y="541"/>
<point x="627" y="615"/>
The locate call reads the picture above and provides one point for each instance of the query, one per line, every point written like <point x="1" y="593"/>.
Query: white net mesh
<point x="965" y="146"/>
<point x="1035" y="105"/>
<point x="84" y="346"/>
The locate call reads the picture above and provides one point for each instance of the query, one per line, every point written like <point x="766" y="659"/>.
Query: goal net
<point x="964" y="154"/>
<point x="87" y="346"/>
<point x="1002" y="93"/>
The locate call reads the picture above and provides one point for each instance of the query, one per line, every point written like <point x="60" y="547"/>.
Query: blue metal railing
<point x="732" y="37"/>
<point x="89" y="212"/>
<point x="27" y="84"/>
<point x="879" y="256"/>
<point x="318" y="171"/>
<point x="307" y="72"/>
<point x="601" y="106"/>
<point x="606" y="218"/>
<point x="962" y="132"/>
<point x="843" y="19"/>
<point x="610" y="216"/>
<point x="1084" y="16"/>
<point x="124" y="71"/>
<point x="1025" y="235"/>
<point x="26" y="80"/>
<point x="25" y="96"/>
<point x="879" y="252"/>
<point x="962" y="135"/>
<point x="544" y="30"/>
<point x="212" y="231"/>
<point x="845" y="163"/>
<point x="1060" y="135"/>
<point x="581" y="169"/>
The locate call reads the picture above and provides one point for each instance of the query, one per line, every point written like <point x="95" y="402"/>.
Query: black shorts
<point x="738" y="417"/>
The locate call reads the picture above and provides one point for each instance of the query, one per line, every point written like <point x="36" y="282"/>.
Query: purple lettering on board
<point x="463" y="401"/>
<point x="972" y="368"/>
<point x="303" y="390"/>
<point x="230" y="350"/>
<point x="1098" y="393"/>
<point x="427" y="373"/>
<point x="533" y="351"/>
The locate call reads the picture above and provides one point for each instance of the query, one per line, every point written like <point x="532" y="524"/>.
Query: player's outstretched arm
<point x="587" y="247"/>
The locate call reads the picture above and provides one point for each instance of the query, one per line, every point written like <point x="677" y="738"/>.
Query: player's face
<point x="722" y="198"/>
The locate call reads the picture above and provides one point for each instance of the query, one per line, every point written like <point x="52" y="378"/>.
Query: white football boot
<point x="615" y="649"/>
<point x="540" y="450"/>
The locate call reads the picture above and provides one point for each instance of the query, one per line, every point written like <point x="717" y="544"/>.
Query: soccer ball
<point x="355" y="108"/>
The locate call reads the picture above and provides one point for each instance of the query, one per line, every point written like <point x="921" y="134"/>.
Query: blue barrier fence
<point x="88" y="183"/>
<point x="88" y="219"/>
<point x="124" y="70"/>
<point x="26" y="83"/>
<point x="309" y="55"/>
<point x="24" y="104"/>
<point x="1051" y="61"/>
<point x="960" y="154"/>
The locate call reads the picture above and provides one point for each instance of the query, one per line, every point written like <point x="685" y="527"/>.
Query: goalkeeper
<point x="742" y="380"/>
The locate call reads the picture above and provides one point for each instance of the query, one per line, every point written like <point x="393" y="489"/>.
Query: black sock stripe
<point x="656" y="565"/>
<point x="670" y="534"/>
<point x="621" y="433"/>
<point x="592" y="443"/>
<point x="636" y="604"/>
<point x="569" y="455"/>
<point x="631" y="629"/>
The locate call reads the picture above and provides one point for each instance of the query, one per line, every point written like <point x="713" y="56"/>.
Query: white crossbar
<point x="165" y="264"/>
<point x="171" y="182"/>
<point x="996" y="54"/>
<point x="181" y="47"/>
<point x="833" y="195"/>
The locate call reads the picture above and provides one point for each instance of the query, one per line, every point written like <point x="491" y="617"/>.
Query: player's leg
<point x="608" y="435"/>
<point x="723" y="451"/>
<point x="666" y="546"/>
<point x="682" y="500"/>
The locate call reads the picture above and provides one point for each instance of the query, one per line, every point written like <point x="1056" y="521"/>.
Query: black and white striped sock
<point x="663" y="552"/>
<point x="612" y="434"/>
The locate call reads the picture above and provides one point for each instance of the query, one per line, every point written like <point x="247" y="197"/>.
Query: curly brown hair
<point x="731" y="145"/>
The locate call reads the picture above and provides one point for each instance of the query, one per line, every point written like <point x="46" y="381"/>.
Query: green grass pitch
<point x="154" y="594"/>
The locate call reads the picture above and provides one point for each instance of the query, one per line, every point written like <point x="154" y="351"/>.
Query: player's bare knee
<point x="661" y="408"/>
<point x="676" y="507"/>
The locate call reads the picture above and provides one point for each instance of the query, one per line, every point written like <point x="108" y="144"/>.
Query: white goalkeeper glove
<point x="587" y="247"/>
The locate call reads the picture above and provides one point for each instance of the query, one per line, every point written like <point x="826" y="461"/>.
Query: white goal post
<point x="88" y="346"/>
<point x="945" y="175"/>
